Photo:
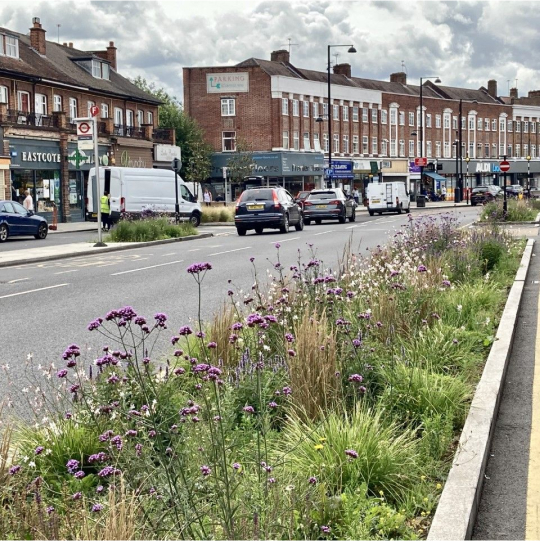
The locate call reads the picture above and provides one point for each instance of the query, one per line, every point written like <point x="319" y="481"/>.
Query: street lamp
<point x="467" y="160"/>
<point x="437" y="80"/>
<point x="456" y="144"/>
<point x="528" y="158"/>
<point x="330" y="112"/>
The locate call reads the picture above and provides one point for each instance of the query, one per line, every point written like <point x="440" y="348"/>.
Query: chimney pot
<point x="111" y="55"/>
<point x="399" y="77"/>
<point x="37" y="37"/>
<point x="343" y="69"/>
<point x="71" y="44"/>
<point x="64" y="44"/>
<point x="280" y="56"/>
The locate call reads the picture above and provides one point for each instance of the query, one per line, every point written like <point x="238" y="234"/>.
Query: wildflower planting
<point x="218" y="214"/>
<point x="317" y="405"/>
<point x="519" y="210"/>
<point x="148" y="229"/>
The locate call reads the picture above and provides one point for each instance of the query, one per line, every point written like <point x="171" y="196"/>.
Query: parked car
<point x="15" y="220"/>
<point x="267" y="208"/>
<point x="514" y="190"/>
<point x="484" y="194"/>
<point x="329" y="204"/>
<point x="301" y="197"/>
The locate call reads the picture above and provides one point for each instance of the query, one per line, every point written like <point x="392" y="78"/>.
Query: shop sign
<point x="127" y="161"/>
<point x="341" y="169"/>
<point x="166" y="153"/>
<point x="34" y="154"/>
<point x="81" y="160"/>
<point x="227" y="82"/>
<point x="47" y="157"/>
<point x="413" y="168"/>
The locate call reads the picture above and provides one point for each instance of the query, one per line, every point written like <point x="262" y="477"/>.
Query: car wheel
<point x="241" y="231"/>
<point x="318" y="221"/>
<point x="259" y="230"/>
<point x="371" y="213"/>
<point x="300" y="225"/>
<point x="285" y="227"/>
<point x="42" y="232"/>
<point x="399" y="210"/>
<point x="342" y="219"/>
<point x="195" y="220"/>
<point x="4" y="232"/>
<point x="353" y="217"/>
<point x="307" y="221"/>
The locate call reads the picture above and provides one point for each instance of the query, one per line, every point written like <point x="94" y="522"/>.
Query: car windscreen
<point x="322" y="195"/>
<point x="264" y="194"/>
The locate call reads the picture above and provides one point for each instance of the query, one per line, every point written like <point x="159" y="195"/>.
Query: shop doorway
<point x="76" y="196"/>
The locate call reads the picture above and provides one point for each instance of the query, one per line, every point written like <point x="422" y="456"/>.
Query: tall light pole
<point x="437" y="80"/>
<point x="528" y="174"/>
<point x="467" y="160"/>
<point x="456" y="144"/>
<point x="459" y="183"/>
<point x="330" y="113"/>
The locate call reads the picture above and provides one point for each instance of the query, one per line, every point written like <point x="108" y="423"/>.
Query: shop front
<point x="342" y="175"/>
<point x="36" y="168"/>
<point x="364" y="172"/>
<point x="296" y="171"/>
<point x="79" y="164"/>
<point x="132" y="153"/>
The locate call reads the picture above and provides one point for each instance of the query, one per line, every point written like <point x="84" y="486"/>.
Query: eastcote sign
<point x="227" y="82"/>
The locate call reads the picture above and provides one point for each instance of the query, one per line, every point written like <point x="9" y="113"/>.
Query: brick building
<point x="283" y="111"/>
<point x="43" y="87"/>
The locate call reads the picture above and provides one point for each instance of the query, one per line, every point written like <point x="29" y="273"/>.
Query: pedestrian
<point x="105" y="210"/>
<point x="443" y="192"/>
<point x="356" y="195"/>
<point x="28" y="202"/>
<point x="207" y="197"/>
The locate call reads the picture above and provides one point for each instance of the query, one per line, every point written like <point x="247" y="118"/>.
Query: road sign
<point x="85" y="128"/>
<point x="504" y="166"/>
<point x="420" y="162"/>
<point x="94" y="110"/>
<point x="176" y="164"/>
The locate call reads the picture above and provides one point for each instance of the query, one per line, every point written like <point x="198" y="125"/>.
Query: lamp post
<point x="528" y="175"/>
<point x="330" y="113"/>
<point x="437" y="80"/>
<point x="456" y="144"/>
<point x="467" y="160"/>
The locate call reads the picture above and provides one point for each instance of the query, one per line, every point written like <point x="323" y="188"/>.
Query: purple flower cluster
<point x="351" y="453"/>
<point x="98" y="457"/>
<point x="197" y="268"/>
<point x="72" y="465"/>
<point x="356" y="378"/>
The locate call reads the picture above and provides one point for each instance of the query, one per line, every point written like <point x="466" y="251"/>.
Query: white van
<point x="132" y="189"/>
<point x="387" y="197"/>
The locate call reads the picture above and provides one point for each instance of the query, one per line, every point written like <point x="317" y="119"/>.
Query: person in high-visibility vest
<point x="105" y="211"/>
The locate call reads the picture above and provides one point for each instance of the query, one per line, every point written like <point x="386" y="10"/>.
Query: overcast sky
<point x="464" y="43"/>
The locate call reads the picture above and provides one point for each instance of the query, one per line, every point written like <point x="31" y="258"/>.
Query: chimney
<point x="37" y="36"/>
<point x="71" y="45"/>
<point x="514" y="93"/>
<point x="64" y="44"/>
<point x="399" y="77"/>
<point x="280" y="56"/>
<point x="343" y="69"/>
<point x="492" y="88"/>
<point x="111" y="55"/>
<point x="535" y="94"/>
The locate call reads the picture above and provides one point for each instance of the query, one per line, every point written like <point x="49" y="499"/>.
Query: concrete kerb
<point x="456" y="513"/>
<point x="99" y="250"/>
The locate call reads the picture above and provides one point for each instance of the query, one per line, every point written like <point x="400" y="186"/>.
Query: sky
<point x="464" y="43"/>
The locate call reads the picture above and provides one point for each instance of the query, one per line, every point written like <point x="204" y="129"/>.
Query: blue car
<point x="15" y="220"/>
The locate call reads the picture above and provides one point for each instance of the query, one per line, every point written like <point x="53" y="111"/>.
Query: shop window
<point x="43" y="185"/>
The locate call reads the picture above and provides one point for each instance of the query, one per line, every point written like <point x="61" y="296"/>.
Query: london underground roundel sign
<point x="504" y="166"/>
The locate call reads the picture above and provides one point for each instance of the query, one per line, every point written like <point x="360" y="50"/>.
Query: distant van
<point x="387" y="197"/>
<point x="133" y="189"/>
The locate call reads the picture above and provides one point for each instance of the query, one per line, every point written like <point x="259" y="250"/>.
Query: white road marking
<point x="324" y="232"/>
<point x="351" y="227"/>
<point x="65" y="272"/>
<point x="286" y="240"/>
<point x="32" y="291"/>
<point x="194" y="250"/>
<point x="146" y="268"/>
<point x="172" y="253"/>
<point x="18" y="280"/>
<point x="229" y="251"/>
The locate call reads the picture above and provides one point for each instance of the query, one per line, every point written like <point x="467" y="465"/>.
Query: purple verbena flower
<point x="351" y="453"/>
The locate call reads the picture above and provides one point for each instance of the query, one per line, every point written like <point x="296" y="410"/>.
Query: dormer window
<point x="100" y="70"/>
<point x="9" y="46"/>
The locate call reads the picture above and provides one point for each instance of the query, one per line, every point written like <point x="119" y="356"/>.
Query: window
<point x="393" y="116"/>
<point x="479" y="124"/>
<point x="105" y="70"/>
<point x="316" y="142"/>
<point x="437" y="149"/>
<point x="411" y="147"/>
<point x="384" y="116"/>
<point x="305" y="108"/>
<point x="365" y="117"/>
<point x="447" y="121"/>
<point x="355" y="144"/>
<point x="100" y="70"/>
<point x="428" y="120"/>
<point x="105" y="111"/>
<point x="411" y="119"/>
<point x="307" y="143"/>
<point x="401" y="118"/>
<point x="454" y="123"/>
<point x="325" y="110"/>
<point x="533" y="151"/>
<point x="486" y="124"/>
<point x="346" y="148"/>
<point x="228" y="139"/>
<point x="374" y="146"/>
<point x="486" y="150"/>
<point x="73" y="108"/>
<point x="526" y="126"/>
<point x="494" y="125"/>
<point x="355" y="113"/>
<point x="335" y="112"/>
<point x="533" y="127"/>
<point x="463" y="119"/>
<point x="89" y="105"/>
<point x="437" y="121"/>
<point x="295" y="108"/>
<point x="41" y="104"/>
<point x="509" y="125"/>
<point x="494" y="150"/>
<point x="447" y="149"/>
<point x="3" y="93"/>
<point x="57" y="102"/>
<point x="23" y="101"/>
<point x="374" y="116"/>
<point x="501" y="150"/>
<point x="140" y="118"/>
<point x="118" y="116"/>
<point x="402" y="147"/>
<point x="393" y="147"/>
<point x="284" y="106"/>
<point x="518" y="126"/>
<point x="12" y="47"/>
<point x="315" y="109"/>
<point x="525" y="150"/>
<point x="471" y="150"/>
<point x="428" y="149"/>
<point x="326" y="144"/>
<point x="228" y="107"/>
<point x="345" y="113"/>
<point x="296" y="140"/>
<point x="384" y="147"/>
<point x="479" y="150"/>
<point x="365" y="145"/>
<point x="518" y="151"/>
<point x="471" y="123"/>
<point x="130" y="118"/>
<point x="336" y="143"/>
<point x="150" y="118"/>
<point x="286" y="140"/>
<point x="502" y="127"/>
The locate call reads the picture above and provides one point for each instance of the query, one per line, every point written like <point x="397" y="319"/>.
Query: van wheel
<point x="408" y="209"/>
<point x="371" y="213"/>
<point x="399" y="210"/>
<point x="259" y="230"/>
<point x="241" y="231"/>
<point x="307" y="221"/>
<point x="3" y="232"/>
<point x="353" y="217"/>
<point x="195" y="220"/>
<point x="318" y="221"/>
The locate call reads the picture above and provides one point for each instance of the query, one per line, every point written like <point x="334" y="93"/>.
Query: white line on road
<point x="18" y="280"/>
<point x="32" y="291"/>
<point x="351" y="227"/>
<point x="194" y="250"/>
<point x="235" y="250"/>
<point x="324" y="232"/>
<point x="146" y="268"/>
<point x="286" y="240"/>
<point x="172" y="253"/>
<point x="65" y="272"/>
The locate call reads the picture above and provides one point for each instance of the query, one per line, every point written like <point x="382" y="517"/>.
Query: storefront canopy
<point x="435" y="176"/>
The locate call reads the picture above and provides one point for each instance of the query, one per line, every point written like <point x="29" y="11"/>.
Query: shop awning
<point x="435" y="176"/>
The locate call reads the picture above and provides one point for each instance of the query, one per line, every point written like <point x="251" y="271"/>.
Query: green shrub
<point x="517" y="211"/>
<point x="148" y="230"/>
<point x="490" y="254"/>
<point x="217" y="214"/>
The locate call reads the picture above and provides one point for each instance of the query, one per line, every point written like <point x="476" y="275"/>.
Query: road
<point x="49" y="305"/>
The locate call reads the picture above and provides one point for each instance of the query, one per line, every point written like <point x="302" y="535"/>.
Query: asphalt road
<point x="47" y="306"/>
<point x="53" y="239"/>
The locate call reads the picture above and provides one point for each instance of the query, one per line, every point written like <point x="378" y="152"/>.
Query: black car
<point x="484" y="194"/>
<point x="15" y="221"/>
<point x="329" y="204"/>
<point x="270" y="208"/>
<point x="301" y="197"/>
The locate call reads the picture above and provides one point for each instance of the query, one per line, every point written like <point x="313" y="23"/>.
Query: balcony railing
<point x="164" y="135"/>
<point x="136" y="133"/>
<point x="25" y="118"/>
